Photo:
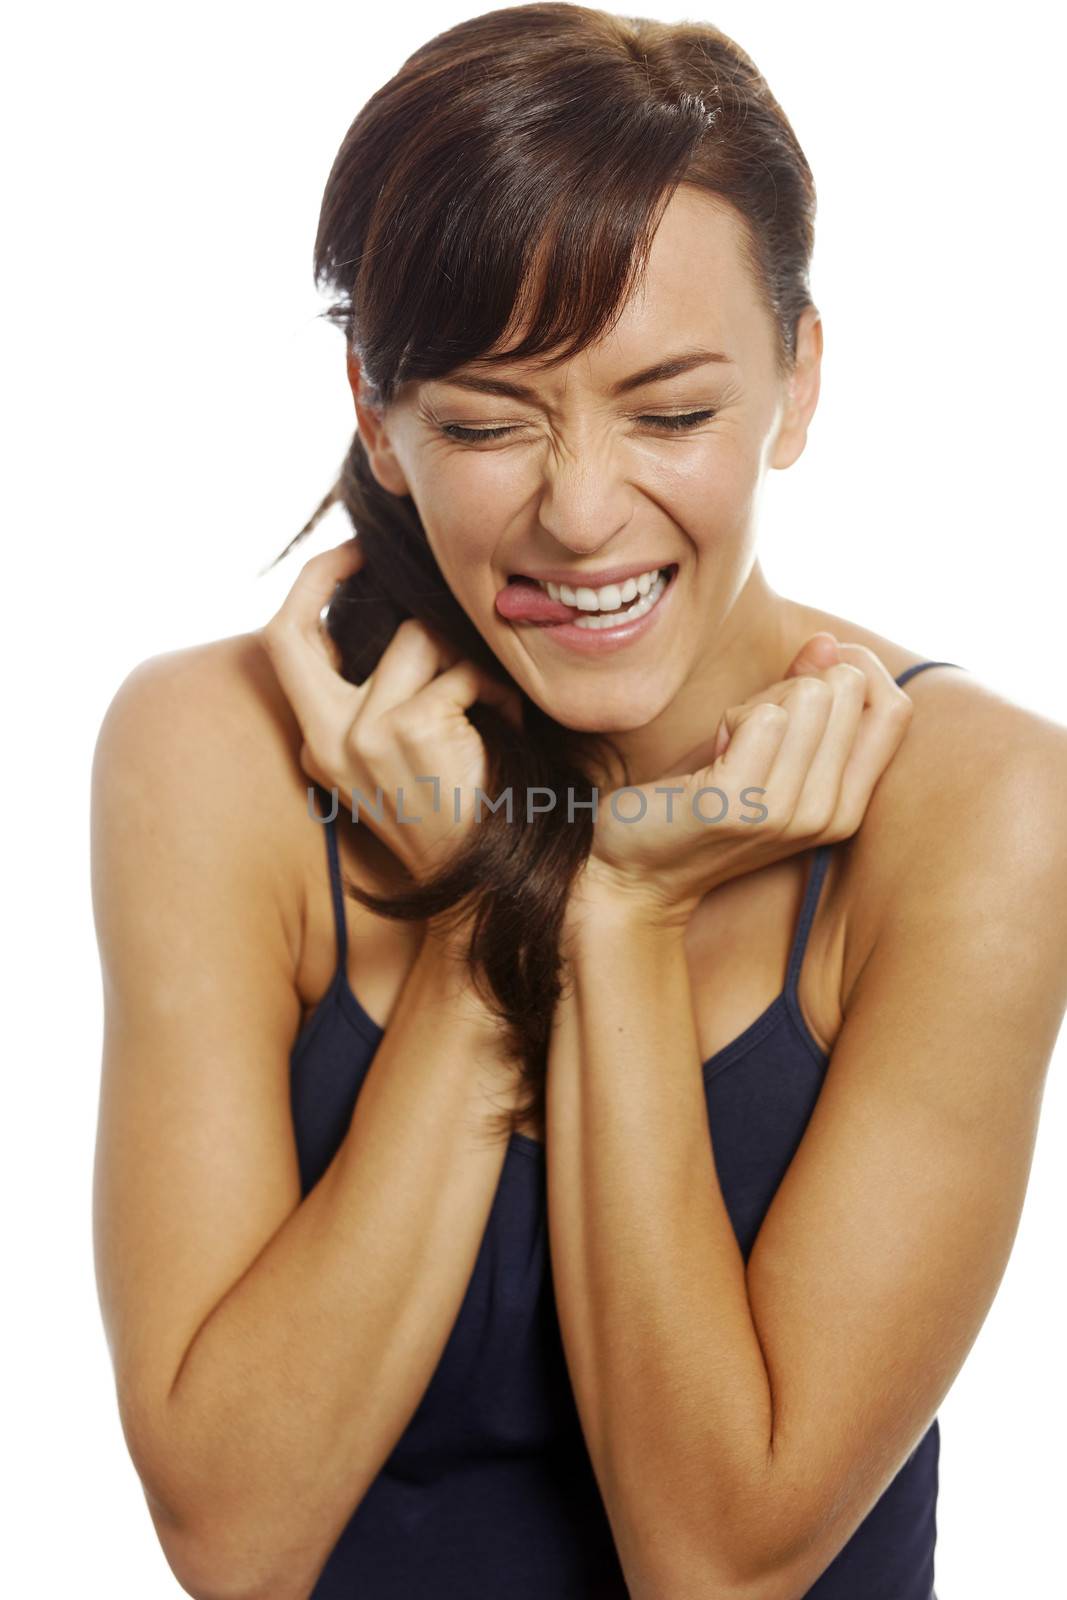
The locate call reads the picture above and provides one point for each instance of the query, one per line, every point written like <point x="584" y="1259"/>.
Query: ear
<point x="373" y="430"/>
<point x="802" y="391"/>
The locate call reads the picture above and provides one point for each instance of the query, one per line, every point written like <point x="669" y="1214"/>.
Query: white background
<point x="175" y="408"/>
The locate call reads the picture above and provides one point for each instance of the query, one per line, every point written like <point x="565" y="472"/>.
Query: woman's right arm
<point x="269" y="1350"/>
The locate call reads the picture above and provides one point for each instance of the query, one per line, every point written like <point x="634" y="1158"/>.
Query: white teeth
<point x="642" y="605"/>
<point x="610" y="598"/>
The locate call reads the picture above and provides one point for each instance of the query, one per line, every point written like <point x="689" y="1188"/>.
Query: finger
<point x="808" y="700"/>
<point x="884" y="720"/>
<point x="812" y="659"/>
<point x="818" y="803"/>
<point x="315" y="583"/>
<point x="708" y="751"/>
<point x="410" y="661"/>
<point x="461" y="685"/>
<point x="293" y="639"/>
<point x="816" y="653"/>
<point x="802" y="666"/>
<point x="880" y="679"/>
<point x="757" y="732"/>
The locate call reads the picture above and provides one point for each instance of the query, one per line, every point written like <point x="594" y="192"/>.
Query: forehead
<point x="697" y="284"/>
<point x="696" y="289"/>
<point x="697" y="257"/>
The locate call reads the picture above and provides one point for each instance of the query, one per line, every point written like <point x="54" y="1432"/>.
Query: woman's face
<point x="590" y="476"/>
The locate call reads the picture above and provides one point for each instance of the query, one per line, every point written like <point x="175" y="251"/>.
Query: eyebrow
<point x="684" y="361"/>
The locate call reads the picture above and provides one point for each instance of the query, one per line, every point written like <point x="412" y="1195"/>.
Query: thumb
<point x="816" y="653"/>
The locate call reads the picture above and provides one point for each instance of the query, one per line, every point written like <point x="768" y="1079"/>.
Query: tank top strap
<point x="817" y="871"/>
<point x="921" y="666"/>
<point x="333" y="859"/>
<point x="816" y="874"/>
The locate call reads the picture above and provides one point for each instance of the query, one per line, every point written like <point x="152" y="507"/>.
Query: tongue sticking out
<point x="523" y="601"/>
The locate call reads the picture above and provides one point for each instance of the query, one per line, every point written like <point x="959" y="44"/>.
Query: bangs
<point x="492" y="218"/>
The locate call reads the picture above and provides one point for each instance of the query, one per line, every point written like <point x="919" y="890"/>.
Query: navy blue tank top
<point x="490" y="1489"/>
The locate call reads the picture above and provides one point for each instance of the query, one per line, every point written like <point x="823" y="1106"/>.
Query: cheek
<point x="703" y="504"/>
<point x="708" y="493"/>
<point x="460" y="514"/>
<point x="462" y="541"/>
<point x="466" y="508"/>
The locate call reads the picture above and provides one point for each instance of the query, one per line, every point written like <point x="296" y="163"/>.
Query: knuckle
<point x="310" y="570"/>
<point x="777" y="819"/>
<point x="813" y="818"/>
<point x="318" y="751"/>
<point x="848" y="672"/>
<point x="273" y="634"/>
<point x="405" y="722"/>
<point x="845" y="823"/>
<point x="367" y="742"/>
<point x="769" y="711"/>
<point x="265" y="638"/>
<point x="809" y="688"/>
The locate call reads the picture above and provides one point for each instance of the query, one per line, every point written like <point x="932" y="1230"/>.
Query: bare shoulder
<point x="966" y="824"/>
<point x="207" y="698"/>
<point x="975" y="770"/>
<point x="204" y="738"/>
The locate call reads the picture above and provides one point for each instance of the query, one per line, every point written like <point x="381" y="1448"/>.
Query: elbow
<point x="214" y="1551"/>
<point x="743" y="1567"/>
<point x="699" y="1582"/>
<point x="210" y="1568"/>
<point x="767" y="1577"/>
<point x="207" y="1572"/>
<point x="688" y="1570"/>
<point x="201" y="1571"/>
<point x="209" y="1563"/>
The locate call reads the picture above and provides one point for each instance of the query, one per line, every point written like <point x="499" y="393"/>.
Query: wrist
<point x="601" y="900"/>
<point x="444" y="957"/>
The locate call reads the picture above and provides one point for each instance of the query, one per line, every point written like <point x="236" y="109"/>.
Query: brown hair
<point x="539" y="135"/>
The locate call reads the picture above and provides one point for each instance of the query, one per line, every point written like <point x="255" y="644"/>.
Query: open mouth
<point x="550" y="604"/>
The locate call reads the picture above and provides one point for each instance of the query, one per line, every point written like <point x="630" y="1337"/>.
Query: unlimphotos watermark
<point x="539" y="800"/>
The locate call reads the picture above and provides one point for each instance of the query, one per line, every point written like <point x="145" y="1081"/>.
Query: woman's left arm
<point x="742" y="1423"/>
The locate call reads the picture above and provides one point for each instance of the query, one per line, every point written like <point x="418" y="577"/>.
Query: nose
<point x="584" y="503"/>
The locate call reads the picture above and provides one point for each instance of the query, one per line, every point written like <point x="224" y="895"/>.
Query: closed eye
<point x="667" y="423"/>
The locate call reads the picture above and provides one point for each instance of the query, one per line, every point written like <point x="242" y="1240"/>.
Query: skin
<point x="585" y="482"/>
<point x="582" y="480"/>
<point x="940" y="1040"/>
<point x="742" y="1466"/>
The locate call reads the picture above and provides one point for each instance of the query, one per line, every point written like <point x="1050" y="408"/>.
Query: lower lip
<point x="594" y="641"/>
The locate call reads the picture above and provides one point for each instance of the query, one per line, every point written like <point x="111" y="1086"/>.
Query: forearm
<point x="299" y="1383"/>
<point x="650" y="1282"/>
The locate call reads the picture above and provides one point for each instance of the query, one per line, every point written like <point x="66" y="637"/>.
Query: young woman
<point x="567" y="1202"/>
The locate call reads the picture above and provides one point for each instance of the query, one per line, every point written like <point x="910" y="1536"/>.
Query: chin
<point x="608" y="714"/>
